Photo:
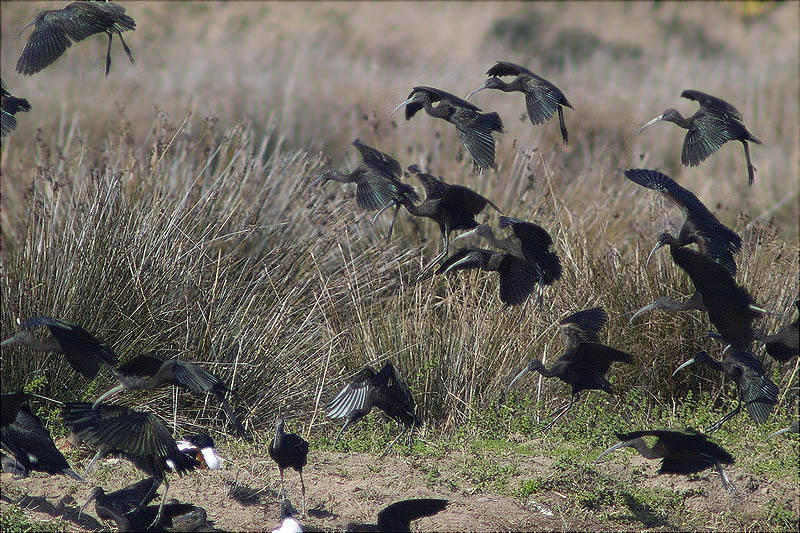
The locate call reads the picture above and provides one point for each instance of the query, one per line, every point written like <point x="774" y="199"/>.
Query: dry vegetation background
<point x="163" y="207"/>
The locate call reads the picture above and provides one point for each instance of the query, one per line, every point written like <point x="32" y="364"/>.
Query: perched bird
<point x="398" y="516"/>
<point x="681" y="452"/>
<point x="754" y="388"/>
<point x="9" y="106"/>
<point x="289" y="450"/>
<point x="542" y="98"/>
<point x="794" y="427"/>
<point x="201" y="448"/>
<point x="29" y="443"/>
<point x="139" y="437"/>
<point x="474" y="128"/>
<point x="585" y="360"/>
<point x="453" y="207"/>
<point x="386" y="390"/>
<point x="700" y="226"/>
<point x="528" y="242"/>
<point x="55" y="27"/>
<point x="84" y="352"/>
<point x="714" y="124"/>
<point x="377" y="182"/>
<point x="150" y="370"/>
<point x="517" y="277"/>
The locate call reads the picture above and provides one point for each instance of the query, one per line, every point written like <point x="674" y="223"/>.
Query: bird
<point x="700" y="226"/>
<point x="398" y="516"/>
<point x="758" y="393"/>
<point x="714" y="124"/>
<point x="111" y="506"/>
<point x="201" y="448"/>
<point x="55" y="29"/>
<point x="10" y="405"/>
<point x="794" y="427"/>
<point x="453" y="207"/>
<point x="84" y="352"/>
<point x="289" y="450"/>
<point x="585" y="359"/>
<point x="784" y="343"/>
<point x="681" y="452"/>
<point x="9" y="106"/>
<point x="377" y="182"/>
<point x="542" y="98"/>
<point x="694" y="303"/>
<point x="529" y="242"/>
<point x="150" y="370"/>
<point x="473" y="127"/>
<point x="386" y="390"/>
<point x="29" y="443"/>
<point x="517" y="277"/>
<point x="730" y="307"/>
<point x="139" y="437"/>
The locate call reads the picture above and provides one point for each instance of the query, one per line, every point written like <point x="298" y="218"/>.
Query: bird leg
<point x="303" y="490"/>
<point x="725" y="481"/>
<point x="750" y="168"/>
<point x="125" y="46"/>
<point x="725" y="418"/>
<point x="394" y="218"/>
<point x="282" y="493"/>
<point x="561" y="413"/>
<point x="160" y="512"/>
<point x="561" y="124"/>
<point x="339" y="436"/>
<point x="540" y="287"/>
<point x="392" y="443"/>
<point x="442" y="255"/>
<point x="381" y="210"/>
<point x="108" y="54"/>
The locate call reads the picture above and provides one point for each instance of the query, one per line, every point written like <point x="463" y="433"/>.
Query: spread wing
<point x="353" y="397"/>
<point x="583" y="326"/>
<point x="378" y="160"/>
<point x="505" y="68"/>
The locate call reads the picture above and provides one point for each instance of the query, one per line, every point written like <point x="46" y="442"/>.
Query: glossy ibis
<point x="700" y="226"/>
<point x="141" y="438"/>
<point x="754" y="388"/>
<point x="55" y="27"/>
<point x="10" y="405"/>
<point x="585" y="360"/>
<point x="201" y="448"/>
<point x="730" y="307"/>
<point x="681" y="452"/>
<point x="29" y="442"/>
<point x="453" y="207"/>
<point x="517" y="277"/>
<point x="377" y="182"/>
<point x="794" y="427"/>
<point x="111" y="506"/>
<point x="150" y="370"/>
<point x="9" y="106"/>
<point x="398" y="516"/>
<point x="714" y="124"/>
<point x="289" y="450"/>
<point x="84" y="352"/>
<point x="386" y="390"/>
<point x="474" y="128"/>
<point x="529" y="242"/>
<point x="542" y="98"/>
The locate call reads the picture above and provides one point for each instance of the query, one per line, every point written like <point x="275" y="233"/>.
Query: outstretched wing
<point x="707" y="133"/>
<point x="505" y="68"/>
<point x="712" y="103"/>
<point x="379" y="160"/>
<point x="395" y="382"/>
<point x="583" y="326"/>
<point x="84" y="351"/>
<point x="353" y="397"/>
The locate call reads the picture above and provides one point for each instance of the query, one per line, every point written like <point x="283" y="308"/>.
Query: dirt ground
<point x="345" y="488"/>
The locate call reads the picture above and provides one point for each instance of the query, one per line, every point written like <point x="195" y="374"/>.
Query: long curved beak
<point x="482" y="87"/>
<point x="779" y="432"/>
<point x="659" y="117"/>
<point x="615" y="447"/>
<point x="658" y="245"/>
<point x="518" y="376"/>
<point x="684" y="365"/>
<point x="314" y="183"/>
<point x="108" y="394"/>
<point x="454" y="265"/>
<point x="648" y="307"/>
<point x="92" y="496"/>
<point x="401" y="105"/>
<point x="469" y="233"/>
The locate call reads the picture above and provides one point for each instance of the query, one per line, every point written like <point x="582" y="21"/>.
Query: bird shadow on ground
<point x="247" y="495"/>
<point x="68" y="513"/>
<point x="643" y="513"/>
<point x="319" y="512"/>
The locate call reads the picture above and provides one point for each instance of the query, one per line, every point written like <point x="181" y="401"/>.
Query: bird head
<point x="324" y="178"/>
<point x="97" y="492"/>
<point x="633" y="443"/>
<point x="663" y="239"/>
<point x="483" y="230"/>
<point x="700" y="357"/>
<point x="417" y="97"/>
<point x="670" y="115"/>
<point x="492" y="83"/>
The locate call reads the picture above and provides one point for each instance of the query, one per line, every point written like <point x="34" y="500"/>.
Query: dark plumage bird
<point x="585" y="360"/>
<point x="9" y="106"/>
<point x="30" y="444"/>
<point x="700" y="226"/>
<point x="289" y="450"/>
<point x="111" y="506"/>
<point x="398" y="516"/>
<point x="10" y="405"/>
<point x="528" y="242"/>
<point x="474" y="128"/>
<point x="754" y="388"/>
<point x="542" y="98"/>
<point x="139" y="437"/>
<point x="730" y="307"/>
<point x="149" y="371"/>
<point x="377" y="182"/>
<point x="453" y="207"/>
<point x="55" y="27"/>
<point x="681" y="452"/>
<point x="714" y="124"/>
<point x="794" y="427"/>
<point x="84" y="352"/>
<point x="784" y="343"/>
<point x="386" y="390"/>
<point x="517" y="277"/>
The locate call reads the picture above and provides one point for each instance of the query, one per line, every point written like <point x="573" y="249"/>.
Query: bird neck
<point x="278" y="433"/>
<point x="46" y="344"/>
<point x="680" y="120"/>
<point x="517" y="84"/>
<point x="540" y="368"/>
<point x="441" y="110"/>
<point x="713" y="363"/>
<point x="648" y="453"/>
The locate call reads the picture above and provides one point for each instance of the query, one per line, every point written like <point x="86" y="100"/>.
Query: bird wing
<point x="756" y="390"/>
<point x="505" y="68"/>
<point x="535" y="241"/>
<point x="10" y="404"/>
<point x="707" y="133"/>
<point x="375" y="190"/>
<point x="353" y="396"/>
<point x="542" y="100"/>
<point x="583" y="326"/>
<point x="145" y="365"/>
<point x="444" y="96"/>
<point x="196" y="378"/>
<point x="683" y="198"/>
<point x="476" y="134"/>
<point x="399" y="515"/>
<point x="379" y="160"/>
<point x="76" y="344"/>
<point x="463" y="199"/>
<point x="7" y="123"/>
<point x="712" y="103"/>
<point x="396" y="385"/>
<point x="517" y="280"/>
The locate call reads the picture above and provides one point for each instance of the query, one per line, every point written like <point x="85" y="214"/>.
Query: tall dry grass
<point x="186" y="229"/>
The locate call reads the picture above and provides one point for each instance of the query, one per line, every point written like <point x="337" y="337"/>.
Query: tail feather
<point x="234" y="421"/>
